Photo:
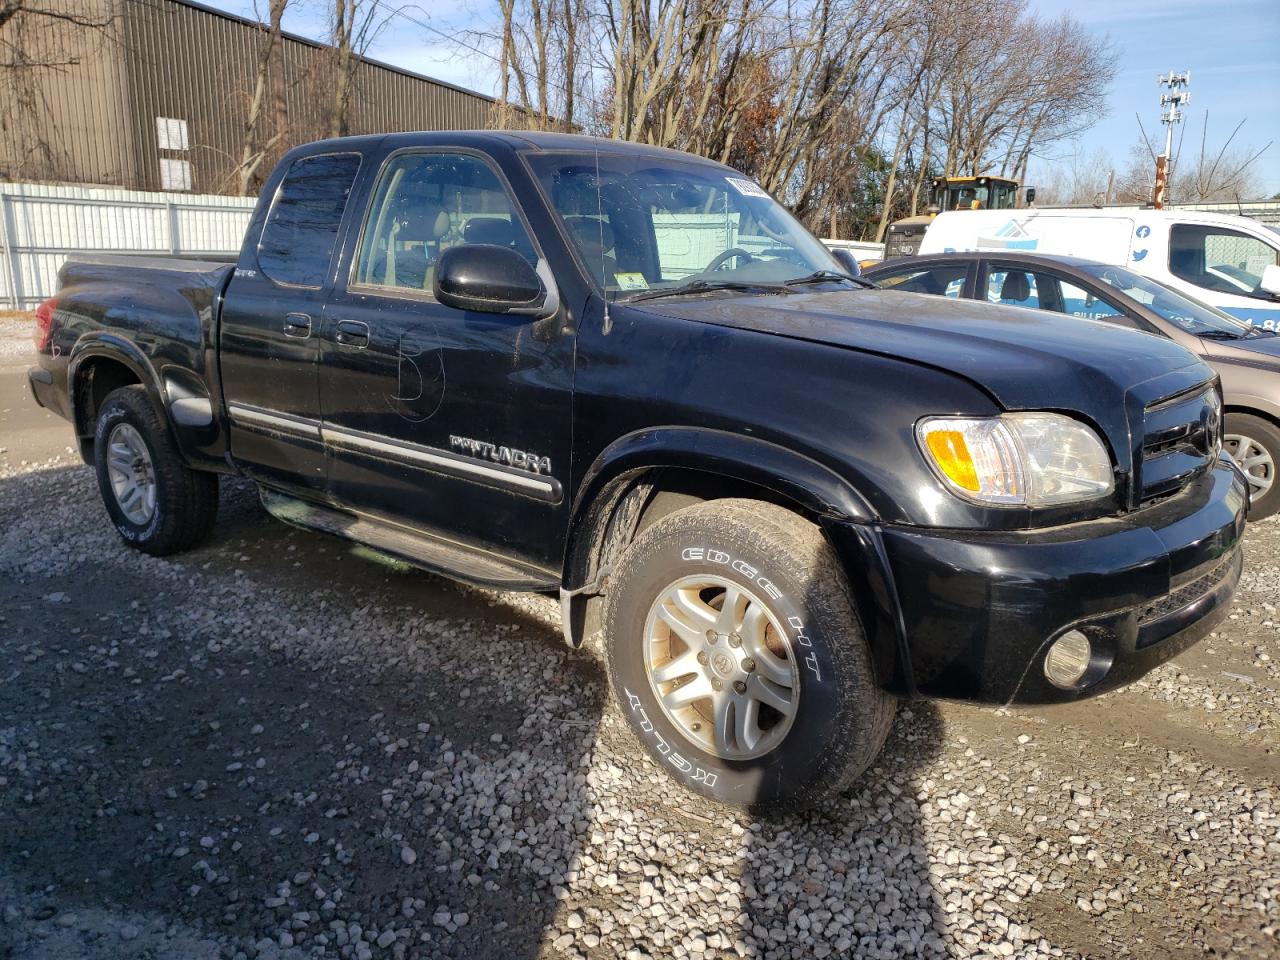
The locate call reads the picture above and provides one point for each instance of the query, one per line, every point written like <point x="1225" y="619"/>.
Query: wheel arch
<point x="98" y="366"/>
<point x="694" y="459"/>
<point x="1254" y="407"/>
<point x="646" y="476"/>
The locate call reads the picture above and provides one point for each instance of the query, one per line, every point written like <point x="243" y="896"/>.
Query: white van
<point x="1229" y="262"/>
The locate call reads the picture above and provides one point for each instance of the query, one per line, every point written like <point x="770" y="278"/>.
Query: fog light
<point x="1068" y="659"/>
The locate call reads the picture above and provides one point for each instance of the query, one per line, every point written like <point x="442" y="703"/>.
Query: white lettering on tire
<point x="660" y="744"/>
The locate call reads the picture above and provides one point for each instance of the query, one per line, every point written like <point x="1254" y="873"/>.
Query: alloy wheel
<point x="721" y="667"/>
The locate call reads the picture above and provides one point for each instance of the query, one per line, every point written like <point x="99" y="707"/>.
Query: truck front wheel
<point x="156" y="502"/>
<point x="738" y="660"/>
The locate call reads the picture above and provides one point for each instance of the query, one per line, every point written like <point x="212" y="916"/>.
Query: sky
<point x="1231" y="47"/>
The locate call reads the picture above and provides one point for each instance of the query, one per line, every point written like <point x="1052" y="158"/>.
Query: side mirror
<point x="489" y="279"/>
<point x="848" y="261"/>
<point x="1270" y="282"/>
<point x="1031" y="196"/>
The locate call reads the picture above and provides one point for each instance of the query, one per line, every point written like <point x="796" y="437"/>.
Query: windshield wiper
<point x="704" y="286"/>
<point x="825" y="276"/>
<point x="1222" y="335"/>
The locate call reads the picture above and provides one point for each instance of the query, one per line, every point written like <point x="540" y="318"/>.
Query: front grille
<point x="1182" y="437"/>
<point x="1188" y="593"/>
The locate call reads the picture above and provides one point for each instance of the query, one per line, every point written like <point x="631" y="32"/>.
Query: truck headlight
<point x="1017" y="459"/>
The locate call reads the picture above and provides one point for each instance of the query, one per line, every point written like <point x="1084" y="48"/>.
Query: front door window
<point x="1221" y="260"/>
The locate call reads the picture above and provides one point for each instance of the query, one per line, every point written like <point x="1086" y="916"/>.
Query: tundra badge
<point x="520" y="459"/>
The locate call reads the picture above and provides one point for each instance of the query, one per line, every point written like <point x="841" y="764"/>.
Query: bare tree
<point x="1008" y="91"/>
<point x="1085" y="177"/>
<point x="84" y="15"/>
<point x="254" y="148"/>
<point x="1224" y="172"/>
<point x="844" y="110"/>
<point x="1227" y="173"/>
<point x="354" y="27"/>
<point x="541" y="44"/>
<point x="39" y="38"/>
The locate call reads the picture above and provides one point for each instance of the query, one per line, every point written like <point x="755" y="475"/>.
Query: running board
<point x="438" y="556"/>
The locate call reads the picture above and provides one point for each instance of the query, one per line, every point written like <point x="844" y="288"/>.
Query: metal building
<point x="159" y="99"/>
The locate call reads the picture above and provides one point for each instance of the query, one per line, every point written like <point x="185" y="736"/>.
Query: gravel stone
<point x="274" y="687"/>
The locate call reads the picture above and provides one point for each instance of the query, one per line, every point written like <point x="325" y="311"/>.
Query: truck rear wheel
<point x="738" y="660"/>
<point x="1254" y="444"/>
<point x="157" y="503"/>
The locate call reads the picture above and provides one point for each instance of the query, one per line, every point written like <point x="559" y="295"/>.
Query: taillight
<point x="44" y="325"/>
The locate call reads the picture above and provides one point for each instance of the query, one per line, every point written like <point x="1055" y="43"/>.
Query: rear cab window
<point x="301" y="231"/>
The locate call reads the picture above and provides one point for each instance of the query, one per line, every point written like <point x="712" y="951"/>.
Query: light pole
<point x="1170" y="113"/>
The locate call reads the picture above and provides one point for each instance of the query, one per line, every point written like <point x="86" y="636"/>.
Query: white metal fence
<point x="40" y="226"/>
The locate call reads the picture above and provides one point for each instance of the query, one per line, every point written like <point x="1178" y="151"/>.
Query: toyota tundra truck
<point x="779" y="498"/>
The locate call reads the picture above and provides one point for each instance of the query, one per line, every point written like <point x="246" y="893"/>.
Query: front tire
<point x="738" y="659"/>
<point x="1254" y="444"/>
<point x="157" y="503"/>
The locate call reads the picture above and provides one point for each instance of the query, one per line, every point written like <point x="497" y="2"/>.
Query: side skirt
<point x="450" y="559"/>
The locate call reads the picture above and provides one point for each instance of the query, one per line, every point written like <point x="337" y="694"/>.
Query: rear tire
<point x="157" y="503"/>
<point x="796" y="649"/>
<point x="1254" y="444"/>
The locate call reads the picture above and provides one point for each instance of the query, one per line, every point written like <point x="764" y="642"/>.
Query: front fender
<point x="750" y="459"/>
<point x="845" y="516"/>
<point x="1248" y="403"/>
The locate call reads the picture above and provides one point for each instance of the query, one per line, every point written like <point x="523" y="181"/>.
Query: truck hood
<point x="1025" y="359"/>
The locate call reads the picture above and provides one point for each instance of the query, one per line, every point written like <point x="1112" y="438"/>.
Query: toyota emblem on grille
<point x="1211" y="424"/>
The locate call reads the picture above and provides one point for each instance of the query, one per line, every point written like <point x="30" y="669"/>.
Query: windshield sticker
<point x="631" y="281"/>
<point x="746" y="187"/>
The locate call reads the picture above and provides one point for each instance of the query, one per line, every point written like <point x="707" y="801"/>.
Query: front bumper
<point x="975" y="612"/>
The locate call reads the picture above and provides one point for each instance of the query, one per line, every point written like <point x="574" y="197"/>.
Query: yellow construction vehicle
<point x="902" y="239"/>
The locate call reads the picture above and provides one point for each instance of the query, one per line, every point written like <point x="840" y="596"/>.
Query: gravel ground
<point x="281" y="746"/>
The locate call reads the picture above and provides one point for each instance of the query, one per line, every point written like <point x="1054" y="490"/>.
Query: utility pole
<point x="1170" y="114"/>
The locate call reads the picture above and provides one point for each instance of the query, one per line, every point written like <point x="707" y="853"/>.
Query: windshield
<point x="1191" y="315"/>
<point x="644" y="224"/>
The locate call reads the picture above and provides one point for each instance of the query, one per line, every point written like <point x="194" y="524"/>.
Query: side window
<point x="426" y="203"/>
<point x="1083" y="303"/>
<point x="1014" y="288"/>
<point x="1218" y="259"/>
<point x="944" y="281"/>
<point x="297" y="240"/>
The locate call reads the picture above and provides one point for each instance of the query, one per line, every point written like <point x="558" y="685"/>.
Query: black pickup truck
<point x="780" y="497"/>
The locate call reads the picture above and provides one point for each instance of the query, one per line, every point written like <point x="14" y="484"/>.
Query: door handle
<point x="297" y="325"/>
<point x="352" y="333"/>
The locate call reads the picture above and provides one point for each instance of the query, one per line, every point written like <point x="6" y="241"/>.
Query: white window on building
<point x="175" y="174"/>
<point x="171" y="134"/>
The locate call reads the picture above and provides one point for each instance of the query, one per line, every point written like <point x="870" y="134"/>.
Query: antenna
<point x="606" y="322"/>
<point x="1170" y="114"/>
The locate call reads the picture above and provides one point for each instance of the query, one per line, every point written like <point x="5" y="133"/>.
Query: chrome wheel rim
<point x="1253" y="460"/>
<point x="721" y="667"/>
<point x="133" y="477"/>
